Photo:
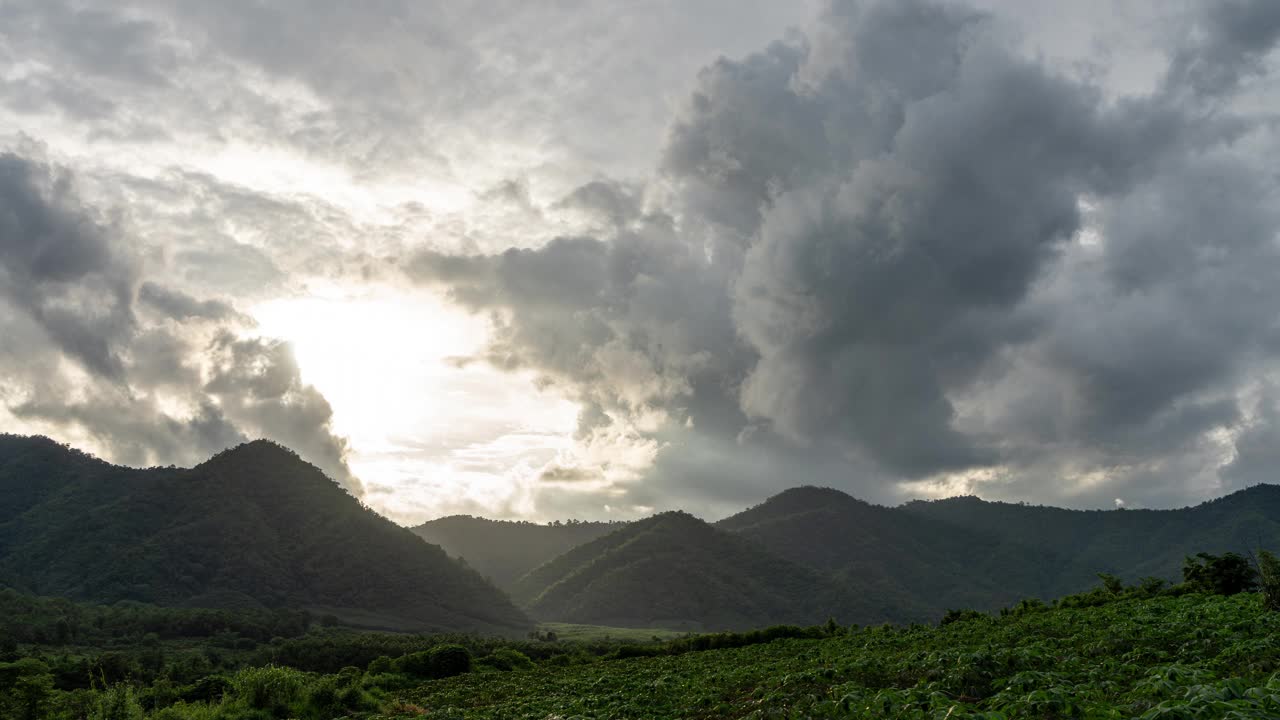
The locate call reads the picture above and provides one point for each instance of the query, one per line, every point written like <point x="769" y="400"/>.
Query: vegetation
<point x="1226" y="574"/>
<point x="1100" y="655"/>
<point x="1145" y="650"/>
<point x="924" y="557"/>
<point x="676" y="571"/>
<point x="254" y="527"/>
<point x="504" y="551"/>
<point x="1269" y="579"/>
<point x="552" y="632"/>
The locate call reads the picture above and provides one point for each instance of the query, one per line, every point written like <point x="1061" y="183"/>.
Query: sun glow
<point x="428" y="435"/>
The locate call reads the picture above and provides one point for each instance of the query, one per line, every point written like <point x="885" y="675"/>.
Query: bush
<point x="1111" y="583"/>
<point x="961" y="616"/>
<point x="276" y="690"/>
<point x="1226" y="574"/>
<point x="338" y="695"/>
<point x="507" y="659"/>
<point x="117" y="702"/>
<point x="416" y="664"/>
<point x="440" y="661"/>
<point x="450" y="660"/>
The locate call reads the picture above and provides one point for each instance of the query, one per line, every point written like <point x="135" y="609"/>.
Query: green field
<point x="1142" y="652"/>
<point x="1168" y="657"/>
<point x="601" y="633"/>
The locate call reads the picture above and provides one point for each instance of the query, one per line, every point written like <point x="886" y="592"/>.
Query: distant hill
<point x="674" y="570"/>
<point x="966" y="552"/>
<point x="504" y="551"/>
<point x="254" y="526"/>
<point x="1129" y="543"/>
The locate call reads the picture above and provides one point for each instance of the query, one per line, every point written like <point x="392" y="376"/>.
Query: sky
<point x="598" y="258"/>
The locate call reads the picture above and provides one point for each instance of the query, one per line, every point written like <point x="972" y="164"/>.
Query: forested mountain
<point x="502" y="550"/>
<point x="1128" y="543"/>
<point x="922" y="566"/>
<point x="674" y="570"/>
<point x="257" y="527"/>
<point x="966" y="552"/>
<point x="254" y="526"/>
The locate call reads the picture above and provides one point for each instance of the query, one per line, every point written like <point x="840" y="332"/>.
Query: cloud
<point x="1225" y="44"/>
<point x="60" y="266"/>
<point x="899" y="249"/>
<point x="562" y="474"/>
<point x="148" y="390"/>
<point x="178" y="305"/>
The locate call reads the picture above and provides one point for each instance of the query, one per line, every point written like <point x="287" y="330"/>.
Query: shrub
<point x="1226" y="574"/>
<point x="117" y="702"/>
<point x="276" y="690"/>
<point x="450" y="660"/>
<point x="416" y="664"/>
<point x="960" y="616"/>
<point x="507" y="659"/>
<point x="338" y="695"/>
<point x="1111" y="583"/>
<point x="440" y="661"/>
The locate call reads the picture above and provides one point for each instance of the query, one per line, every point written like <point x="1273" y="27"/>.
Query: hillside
<point x="1128" y="543"/>
<point x="254" y="526"/>
<point x="503" y="551"/>
<point x="674" y="570"/>
<point x="965" y="552"/>
<point x="1193" y="656"/>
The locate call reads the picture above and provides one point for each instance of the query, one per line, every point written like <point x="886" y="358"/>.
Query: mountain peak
<point x="812" y="494"/>
<point x="254" y="521"/>
<point x="255" y="450"/>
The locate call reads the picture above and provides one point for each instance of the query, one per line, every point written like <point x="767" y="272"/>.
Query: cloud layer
<point x="896" y="253"/>
<point x="902" y="250"/>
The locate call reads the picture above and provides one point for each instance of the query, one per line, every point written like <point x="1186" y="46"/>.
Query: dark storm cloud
<point x="59" y="265"/>
<point x="1227" y="42"/>
<point x="878" y="255"/>
<point x="69" y="274"/>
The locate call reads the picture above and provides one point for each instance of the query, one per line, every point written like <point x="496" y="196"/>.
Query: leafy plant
<point x="1225" y="574"/>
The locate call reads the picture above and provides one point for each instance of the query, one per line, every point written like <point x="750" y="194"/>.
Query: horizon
<point x="596" y="260"/>
<point x="710" y="520"/>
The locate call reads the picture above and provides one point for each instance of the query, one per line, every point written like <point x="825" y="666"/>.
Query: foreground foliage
<point x="1097" y="655"/>
<point x="1116" y="652"/>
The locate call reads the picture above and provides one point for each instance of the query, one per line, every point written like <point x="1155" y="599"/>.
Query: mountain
<point x="254" y="526"/>
<point x="503" y="551"/>
<point x="676" y="571"/>
<point x="966" y="552"/>
<point x="924" y="566"/>
<point x="1129" y="543"/>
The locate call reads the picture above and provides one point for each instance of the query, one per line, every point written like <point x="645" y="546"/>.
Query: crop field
<point x="1192" y="656"/>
